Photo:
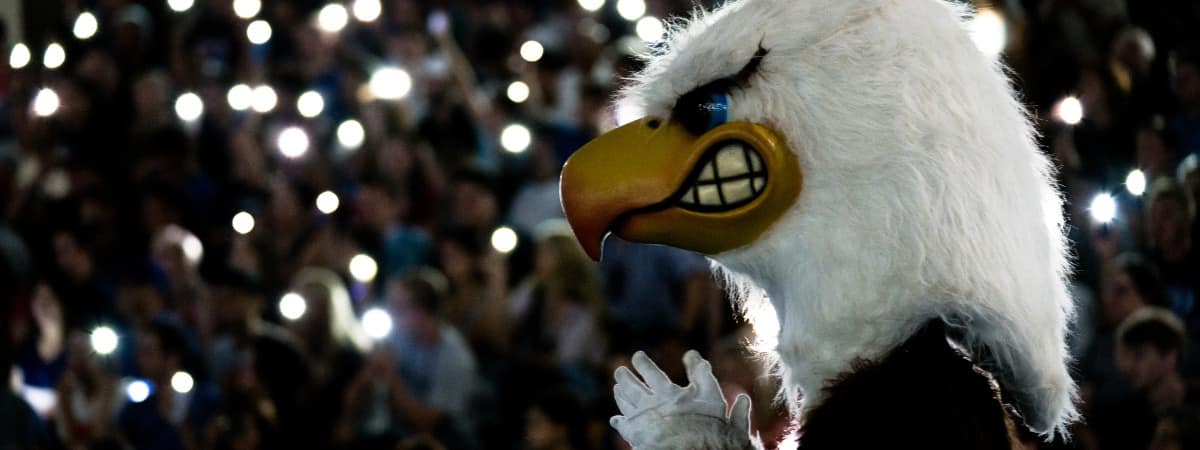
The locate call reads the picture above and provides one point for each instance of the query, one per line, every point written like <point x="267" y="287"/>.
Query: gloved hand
<point x="658" y="414"/>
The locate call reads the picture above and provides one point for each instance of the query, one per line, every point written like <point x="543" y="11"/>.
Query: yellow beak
<point x="654" y="182"/>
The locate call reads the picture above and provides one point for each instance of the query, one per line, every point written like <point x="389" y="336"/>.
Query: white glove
<point x="658" y="414"/>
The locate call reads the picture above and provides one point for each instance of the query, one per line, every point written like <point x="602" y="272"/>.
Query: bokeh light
<point x="247" y="8"/>
<point x="182" y="382"/>
<point x="180" y="5"/>
<point x="989" y="32"/>
<point x="504" y="240"/>
<point x="366" y="10"/>
<point x="243" y="222"/>
<point x="531" y="51"/>
<point x="650" y="29"/>
<point x="240" y="97"/>
<point x="1103" y="208"/>
<point x="263" y="99"/>
<point x="350" y="134"/>
<point x="363" y="267"/>
<point x="390" y="83"/>
<point x="292" y="142"/>
<point x="377" y="323"/>
<point x="517" y="92"/>
<point x="45" y="102"/>
<point x="1135" y="182"/>
<point x="138" y="391"/>
<point x="54" y="57"/>
<point x="258" y="32"/>
<point x="292" y="306"/>
<point x="631" y="9"/>
<point x="328" y="202"/>
<point x="189" y="107"/>
<point x="310" y="104"/>
<point x="591" y="5"/>
<point x="1069" y="111"/>
<point x="332" y="17"/>
<point x="20" y="56"/>
<point x="193" y="249"/>
<point x="515" y="138"/>
<point x="104" y="340"/>
<point x="85" y="26"/>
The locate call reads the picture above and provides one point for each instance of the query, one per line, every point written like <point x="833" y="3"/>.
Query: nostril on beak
<point x="654" y="123"/>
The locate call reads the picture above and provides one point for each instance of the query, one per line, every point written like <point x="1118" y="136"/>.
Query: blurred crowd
<point x="296" y="224"/>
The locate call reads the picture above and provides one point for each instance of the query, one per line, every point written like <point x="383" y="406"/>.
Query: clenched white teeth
<point x="732" y="177"/>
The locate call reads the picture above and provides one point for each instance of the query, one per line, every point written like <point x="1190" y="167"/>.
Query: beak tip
<point x="594" y="249"/>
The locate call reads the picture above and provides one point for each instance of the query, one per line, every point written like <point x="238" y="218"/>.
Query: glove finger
<point x="626" y="377"/>
<point x="655" y="378"/>
<point x="624" y="403"/>
<point x="739" y="415"/>
<point x="700" y="375"/>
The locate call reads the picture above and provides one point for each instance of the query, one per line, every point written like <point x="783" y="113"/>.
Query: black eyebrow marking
<point x="740" y="80"/>
<point x="690" y="109"/>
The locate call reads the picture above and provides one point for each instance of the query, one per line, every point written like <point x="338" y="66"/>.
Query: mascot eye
<point x="700" y="111"/>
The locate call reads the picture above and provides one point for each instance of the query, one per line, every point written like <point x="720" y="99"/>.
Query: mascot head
<point x="862" y="164"/>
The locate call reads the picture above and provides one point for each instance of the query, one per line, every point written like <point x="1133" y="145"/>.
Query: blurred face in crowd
<point x="150" y="95"/>
<point x="474" y="205"/>
<point x="152" y="361"/>
<point x="541" y="433"/>
<point x="232" y="307"/>
<point x="1119" y="297"/>
<point x="1187" y="84"/>
<point x="81" y="360"/>
<point x="47" y="310"/>
<point x="1143" y="364"/>
<point x="418" y="322"/>
<point x="395" y="158"/>
<point x="1153" y="155"/>
<point x="315" y="325"/>
<point x="139" y="303"/>
<point x="456" y="262"/>
<point x="375" y="208"/>
<point x="1169" y="224"/>
<point x="1167" y="436"/>
<point x="74" y="261"/>
<point x="285" y="204"/>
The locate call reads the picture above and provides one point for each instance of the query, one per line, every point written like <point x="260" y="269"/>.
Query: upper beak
<point x="636" y="166"/>
<point x="633" y="181"/>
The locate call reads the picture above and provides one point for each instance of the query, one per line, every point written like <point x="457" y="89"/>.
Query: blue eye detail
<point x="718" y="109"/>
<point x="700" y="111"/>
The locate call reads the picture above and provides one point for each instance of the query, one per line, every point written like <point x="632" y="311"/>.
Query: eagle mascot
<point x="860" y="169"/>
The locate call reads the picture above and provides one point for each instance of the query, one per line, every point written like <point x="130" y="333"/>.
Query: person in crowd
<point x="333" y="343"/>
<point x="556" y="421"/>
<point x="91" y="398"/>
<point x="175" y="412"/>
<point x="537" y="200"/>
<point x="1178" y="429"/>
<point x="1119" y="418"/>
<point x="473" y="203"/>
<point x="421" y="380"/>
<point x="1170" y="214"/>
<point x="1187" y="91"/>
<point x="1150" y="346"/>
<point x="43" y="359"/>
<point x="475" y="301"/>
<point x="379" y="206"/>
<point x="556" y="311"/>
<point x="278" y="365"/>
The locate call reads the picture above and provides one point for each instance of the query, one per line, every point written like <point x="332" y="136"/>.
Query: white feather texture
<point x="924" y="194"/>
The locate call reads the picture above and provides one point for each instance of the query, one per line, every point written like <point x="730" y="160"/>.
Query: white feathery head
<point x="923" y="196"/>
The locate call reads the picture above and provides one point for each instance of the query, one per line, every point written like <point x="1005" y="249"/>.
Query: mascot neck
<point x="830" y="320"/>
